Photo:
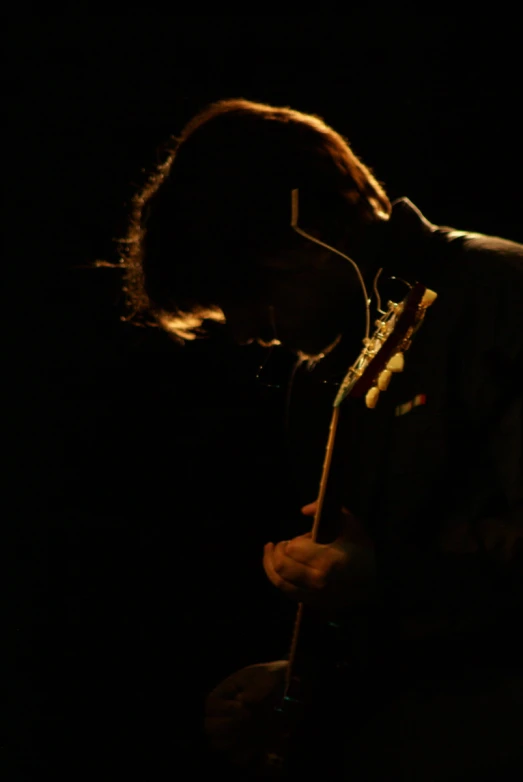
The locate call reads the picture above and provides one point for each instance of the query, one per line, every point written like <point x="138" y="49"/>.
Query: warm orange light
<point x="185" y="324"/>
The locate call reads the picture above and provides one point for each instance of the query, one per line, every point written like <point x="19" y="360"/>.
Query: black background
<point x="145" y="474"/>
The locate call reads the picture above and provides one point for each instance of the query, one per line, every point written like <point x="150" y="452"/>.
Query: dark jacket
<point x="440" y="485"/>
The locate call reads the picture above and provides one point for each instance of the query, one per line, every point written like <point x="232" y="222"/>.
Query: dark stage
<point x="146" y="476"/>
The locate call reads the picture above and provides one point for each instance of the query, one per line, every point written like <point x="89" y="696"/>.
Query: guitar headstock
<point x="383" y="352"/>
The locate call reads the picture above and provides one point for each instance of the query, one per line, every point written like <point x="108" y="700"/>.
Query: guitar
<point x="369" y="376"/>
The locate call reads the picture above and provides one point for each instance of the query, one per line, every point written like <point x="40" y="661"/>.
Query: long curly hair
<point x="219" y="203"/>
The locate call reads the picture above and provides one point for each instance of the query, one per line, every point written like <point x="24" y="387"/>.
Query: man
<point x="429" y="546"/>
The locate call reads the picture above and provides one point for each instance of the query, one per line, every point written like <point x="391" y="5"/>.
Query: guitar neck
<point x="326" y="527"/>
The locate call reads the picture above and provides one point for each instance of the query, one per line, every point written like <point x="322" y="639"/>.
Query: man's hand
<point x="239" y="712"/>
<point x="329" y="577"/>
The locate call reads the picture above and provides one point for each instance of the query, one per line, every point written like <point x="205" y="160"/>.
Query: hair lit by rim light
<point x="366" y="197"/>
<point x="183" y="326"/>
<point x="188" y="325"/>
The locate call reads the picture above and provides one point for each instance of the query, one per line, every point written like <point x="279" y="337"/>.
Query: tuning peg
<point x="428" y="297"/>
<point x="371" y="397"/>
<point x="396" y="363"/>
<point x="384" y="379"/>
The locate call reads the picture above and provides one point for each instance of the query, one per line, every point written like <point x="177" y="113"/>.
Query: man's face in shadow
<point x="305" y="301"/>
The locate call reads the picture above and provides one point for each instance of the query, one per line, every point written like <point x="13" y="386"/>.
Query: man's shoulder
<point x="491" y="262"/>
<point x="482" y="245"/>
<point x="477" y="254"/>
<point x="485" y="274"/>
